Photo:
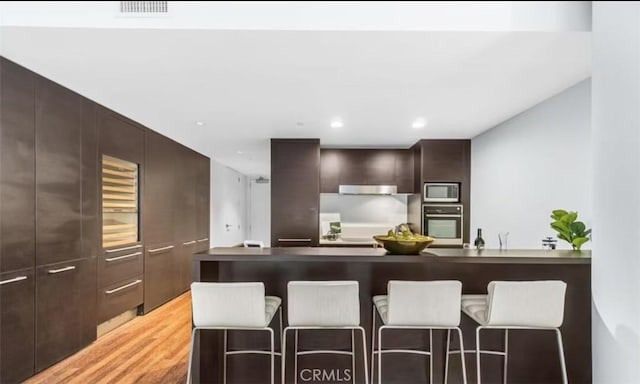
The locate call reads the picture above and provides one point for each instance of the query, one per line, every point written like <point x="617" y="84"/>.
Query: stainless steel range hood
<point x="368" y="189"/>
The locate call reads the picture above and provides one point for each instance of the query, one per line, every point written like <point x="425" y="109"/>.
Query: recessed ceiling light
<point x="239" y="152"/>
<point x="200" y="123"/>
<point x="337" y="123"/>
<point x="419" y="123"/>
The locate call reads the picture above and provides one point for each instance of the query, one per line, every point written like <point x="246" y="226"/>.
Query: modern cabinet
<point x="366" y="167"/>
<point x="295" y="192"/>
<point x="17" y="316"/>
<point x="203" y="181"/>
<point x="17" y="167"/>
<point x="161" y="277"/>
<point x="58" y="163"/>
<point x="65" y="310"/>
<point x="159" y="189"/>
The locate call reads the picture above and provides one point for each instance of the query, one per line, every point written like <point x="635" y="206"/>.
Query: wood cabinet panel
<point x="331" y="163"/>
<point x="185" y="211"/>
<point x="184" y="261"/>
<point x="117" y="266"/>
<point x="159" y="189"/>
<point x="295" y="191"/>
<point x="161" y="277"/>
<point x="203" y="200"/>
<point x="119" y="297"/>
<point x="380" y="166"/>
<point x="65" y="310"/>
<point x="90" y="182"/>
<point x="404" y="171"/>
<point x="445" y="160"/>
<point x="120" y="138"/>
<point x="17" y="315"/>
<point x="17" y="167"/>
<point x="59" y="124"/>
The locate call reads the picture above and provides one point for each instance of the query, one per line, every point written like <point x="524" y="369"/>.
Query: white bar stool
<point x="233" y="306"/>
<point x="534" y="305"/>
<point x="324" y="305"/>
<point x="424" y="305"/>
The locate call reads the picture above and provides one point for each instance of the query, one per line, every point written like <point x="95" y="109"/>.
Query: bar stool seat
<point x="324" y="305"/>
<point x="418" y="305"/>
<point x="235" y="307"/>
<point x="516" y="305"/>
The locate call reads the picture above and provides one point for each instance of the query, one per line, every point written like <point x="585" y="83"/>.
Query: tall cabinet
<point x="295" y="192"/>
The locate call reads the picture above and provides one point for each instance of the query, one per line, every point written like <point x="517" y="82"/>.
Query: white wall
<point x="528" y="166"/>
<point x="228" y="206"/>
<point x="616" y="190"/>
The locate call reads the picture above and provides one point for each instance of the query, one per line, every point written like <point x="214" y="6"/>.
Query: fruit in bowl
<point x="402" y="241"/>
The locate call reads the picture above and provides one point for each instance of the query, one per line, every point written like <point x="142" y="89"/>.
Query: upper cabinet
<point x="120" y="137"/>
<point x="446" y="160"/>
<point x="159" y="189"/>
<point x="17" y="167"/>
<point x="366" y="167"/>
<point x="295" y="192"/>
<point x="59" y="122"/>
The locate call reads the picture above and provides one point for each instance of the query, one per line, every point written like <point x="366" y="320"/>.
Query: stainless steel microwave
<point x="441" y="192"/>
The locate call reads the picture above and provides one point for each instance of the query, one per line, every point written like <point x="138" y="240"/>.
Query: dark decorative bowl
<point x="404" y="247"/>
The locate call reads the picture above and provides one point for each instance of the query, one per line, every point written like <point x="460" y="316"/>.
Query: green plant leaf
<point x="587" y="232"/>
<point x="578" y="228"/>
<point x="561" y="227"/>
<point x="570" y="217"/>
<point x="557" y="214"/>
<point x="578" y="241"/>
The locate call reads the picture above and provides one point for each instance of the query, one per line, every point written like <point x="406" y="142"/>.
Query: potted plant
<point x="569" y="229"/>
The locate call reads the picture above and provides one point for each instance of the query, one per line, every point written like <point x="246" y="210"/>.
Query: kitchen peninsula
<point x="532" y="357"/>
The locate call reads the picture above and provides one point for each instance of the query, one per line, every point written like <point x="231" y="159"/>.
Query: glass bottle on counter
<point x="479" y="242"/>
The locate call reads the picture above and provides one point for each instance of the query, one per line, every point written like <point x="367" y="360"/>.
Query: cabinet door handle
<point x="114" y="290"/>
<point x="202" y="240"/>
<point x="189" y="242"/>
<point x="123" y="249"/>
<point x="295" y="240"/>
<point x="15" y="279"/>
<point x="65" y="269"/>
<point x="122" y="257"/>
<point x="160" y="249"/>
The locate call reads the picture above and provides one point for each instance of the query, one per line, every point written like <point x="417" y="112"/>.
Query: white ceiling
<point x="249" y="86"/>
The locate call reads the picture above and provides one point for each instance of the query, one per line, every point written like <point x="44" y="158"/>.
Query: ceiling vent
<point x="142" y="8"/>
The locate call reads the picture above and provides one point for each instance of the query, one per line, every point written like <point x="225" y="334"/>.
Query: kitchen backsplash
<point x="364" y="208"/>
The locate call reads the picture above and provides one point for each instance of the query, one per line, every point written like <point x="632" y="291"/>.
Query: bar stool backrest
<point x="424" y="303"/>
<point x="526" y="303"/>
<point x="228" y="304"/>
<point x="323" y="303"/>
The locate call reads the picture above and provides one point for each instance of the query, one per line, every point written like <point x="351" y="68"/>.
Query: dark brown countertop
<point x="369" y="255"/>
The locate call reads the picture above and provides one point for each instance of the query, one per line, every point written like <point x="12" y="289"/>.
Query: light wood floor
<point x="148" y="349"/>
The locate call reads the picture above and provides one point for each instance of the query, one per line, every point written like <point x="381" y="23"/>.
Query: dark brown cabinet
<point x="116" y="298"/>
<point x="295" y="192"/>
<point x="58" y="147"/>
<point x="17" y="167"/>
<point x="203" y="181"/>
<point x="445" y="160"/>
<point x="366" y="167"/>
<point x="159" y="189"/>
<point x="161" y="277"/>
<point x="17" y="315"/>
<point x="65" y="310"/>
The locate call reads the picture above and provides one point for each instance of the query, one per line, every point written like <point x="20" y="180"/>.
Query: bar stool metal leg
<point x="224" y="359"/>
<point x="446" y="359"/>
<point x="353" y="356"/>
<point x="430" y="356"/>
<point x="193" y="338"/>
<point x="373" y="339"/>
<point x="478" y="380"/>
<point x="295" y="362"/>
<point x="273" y="356"/>
<point x="506" y="355"/>
<point x="563" y="364"/>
